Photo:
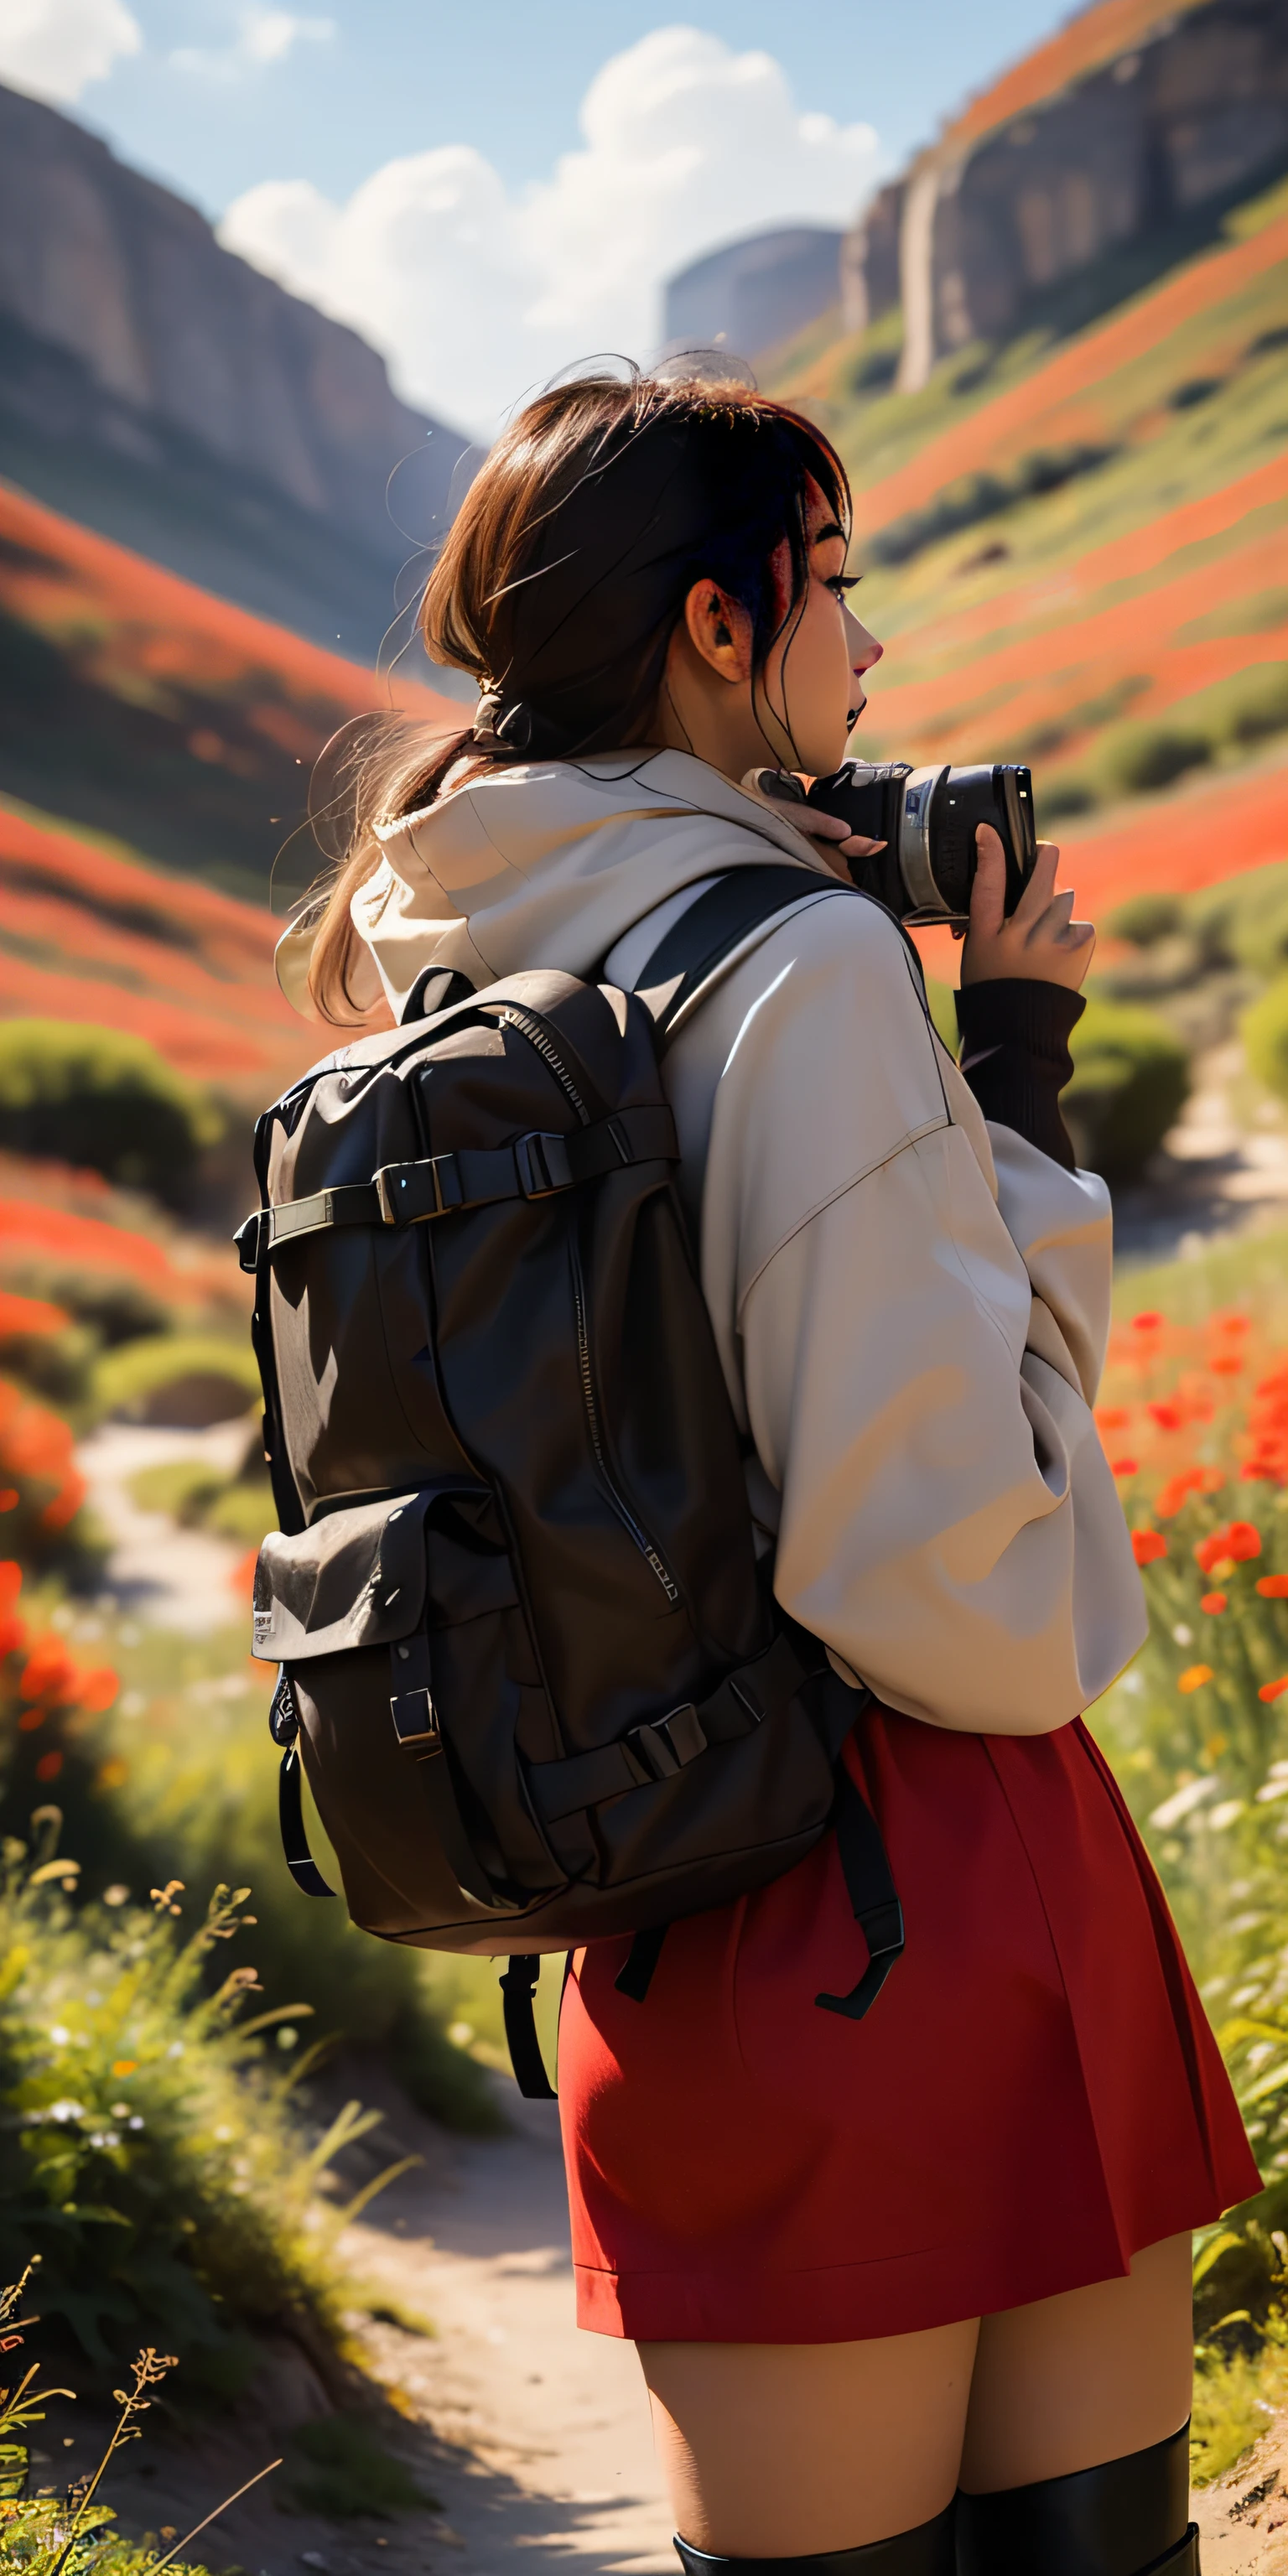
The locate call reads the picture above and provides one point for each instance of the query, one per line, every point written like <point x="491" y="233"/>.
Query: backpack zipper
<point x="538" y="1037"/>
<point x="656" y="1563"/>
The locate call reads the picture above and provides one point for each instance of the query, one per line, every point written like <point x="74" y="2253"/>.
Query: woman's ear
<point x="719" y="629"/>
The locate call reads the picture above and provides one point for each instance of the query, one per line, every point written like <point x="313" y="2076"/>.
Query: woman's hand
<point x="810" y="819"/>
<point x="1039" y="942"/>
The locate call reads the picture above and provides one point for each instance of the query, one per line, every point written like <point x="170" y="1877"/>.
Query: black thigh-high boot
<point x="927" y="2551"/>
<point x="1129" y="2517"/>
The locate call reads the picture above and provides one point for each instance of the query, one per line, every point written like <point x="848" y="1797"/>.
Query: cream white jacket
<point x="910" y="1305"/>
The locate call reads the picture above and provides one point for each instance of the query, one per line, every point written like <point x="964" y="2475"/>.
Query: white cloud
<point x="263" y="36"/>
<point x="474" y="294"/>
<point x="53" y="48"/>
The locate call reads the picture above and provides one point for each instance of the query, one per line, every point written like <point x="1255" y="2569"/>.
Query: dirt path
<point x="480" y="2240"/>
<point x="175" y="1578"/>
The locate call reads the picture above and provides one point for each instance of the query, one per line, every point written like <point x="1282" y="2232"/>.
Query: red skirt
<point x="1035" y="2095"/>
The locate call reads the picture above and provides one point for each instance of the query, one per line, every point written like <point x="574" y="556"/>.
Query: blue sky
<point x="491" y="192"/>
<point x="399" y="75"/>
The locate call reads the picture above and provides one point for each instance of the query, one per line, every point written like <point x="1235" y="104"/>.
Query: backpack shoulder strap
<point x="705" y="940"/>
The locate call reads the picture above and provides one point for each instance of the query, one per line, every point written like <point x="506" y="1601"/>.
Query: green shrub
<point x="177" y="1776"/>
<point x="943" y="1011"/>
<point x="104" y="1100"/>
<point x="345" y="2470"/>
<point x="187" y="1379"/>
<point x="1131" y="1076"/>
<point x="1141" y="757"/>
<point x="1063" y="796"/>
<point x="239" y="1506"/>
<point x="1259" y="707"/>
<point x="1264" y="1030"/>
<point x="1147" y="918"/>
<point x="148" y="2152"/>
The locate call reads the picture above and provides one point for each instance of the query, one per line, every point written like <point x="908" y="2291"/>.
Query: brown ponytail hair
<point x="558" y="588"/>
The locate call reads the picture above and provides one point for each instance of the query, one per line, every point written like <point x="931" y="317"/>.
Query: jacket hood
<point x="550" y="864"/>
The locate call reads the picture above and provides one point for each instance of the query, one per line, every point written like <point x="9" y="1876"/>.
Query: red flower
<point x="1213" y="1603"/>
<point x="1273" y="1587"/>
<point x="10" y="1583"/>
<point x="49" y="1766"/>
<point x="1274" y="1690"/>
<point x="1169" y="1417"/>
<point x="1245" y="1541"/>
<point x="1124" y="1466"/>
<point x="1147" y="1545"/>
<point x="1147" y="1323"/>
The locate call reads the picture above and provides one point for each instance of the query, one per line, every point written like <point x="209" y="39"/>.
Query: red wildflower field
<point x="169" y="635"/>
<point x="34" y="1233"/>
<point x="1058" y="650"/>
<point x="92" y="937"/>
<point x="1172" y="845"/>
<point x="1056" y="404"/>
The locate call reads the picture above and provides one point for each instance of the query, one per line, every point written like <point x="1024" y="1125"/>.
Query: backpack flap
<point x="385" y="1616"/>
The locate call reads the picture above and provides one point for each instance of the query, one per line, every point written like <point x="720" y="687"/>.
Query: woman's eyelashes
<point x="843" y="581"/>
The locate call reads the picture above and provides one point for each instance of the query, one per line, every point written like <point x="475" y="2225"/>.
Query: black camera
<point x="927" y="819"/>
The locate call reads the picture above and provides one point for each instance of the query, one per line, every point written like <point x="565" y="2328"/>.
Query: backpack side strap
<point x="534" y="1167"/>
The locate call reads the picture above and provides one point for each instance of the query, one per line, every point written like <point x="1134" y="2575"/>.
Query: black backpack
<point x="540" y="1686"/>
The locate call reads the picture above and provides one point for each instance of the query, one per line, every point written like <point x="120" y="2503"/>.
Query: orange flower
<point x="1112" y="1417"/>
<point x="10" y="1582"/>
<point x="1194" y="1677"/>
<point x="1124" y="1466"/>
<point x="1274" y="1690"/>
<point x="1226" y="1364"/>
<point x="1147" y="1545"/>
<point x="1273" y="1587"/>
<point x="1214" y="1603"/>
<point x="96" y="1690"/>
<point x="30" y="1719"/>
<point x="9" y="1498"/>
<point x="1231" y="1322"/>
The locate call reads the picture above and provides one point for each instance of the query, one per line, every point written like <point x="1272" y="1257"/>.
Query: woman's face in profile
<point x="812" y="686"/>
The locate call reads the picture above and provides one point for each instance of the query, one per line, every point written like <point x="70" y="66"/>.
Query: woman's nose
<point x="864" y="648"/>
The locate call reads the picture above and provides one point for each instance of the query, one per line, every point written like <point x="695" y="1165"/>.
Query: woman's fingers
<point x="1041" y="885"/>
<point x="988" y="894"/>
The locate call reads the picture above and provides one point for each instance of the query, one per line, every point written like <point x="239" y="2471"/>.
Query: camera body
<point x="928" y="819"/>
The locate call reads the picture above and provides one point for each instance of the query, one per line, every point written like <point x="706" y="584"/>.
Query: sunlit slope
<point x="140" y="705"/>
<point x="87" y="933"/>
<point x="1076" y="550"/>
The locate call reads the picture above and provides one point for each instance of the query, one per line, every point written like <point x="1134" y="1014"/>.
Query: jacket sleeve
<point x="917" y="1333"/>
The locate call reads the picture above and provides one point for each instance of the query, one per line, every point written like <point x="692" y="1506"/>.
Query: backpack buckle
<point x="415" y="1723"/>
<point x="247" y="1241"/>
<point x="542" y="1164"/>
<point x="664" y="1747"/>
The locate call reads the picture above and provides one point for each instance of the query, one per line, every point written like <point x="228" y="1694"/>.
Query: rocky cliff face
<point x="1136" y="113"/>
<point x="753" y="293"/>
<point x="155" y="384"/>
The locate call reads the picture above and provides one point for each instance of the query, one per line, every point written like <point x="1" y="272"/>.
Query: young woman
<point x="911" y="2294"/>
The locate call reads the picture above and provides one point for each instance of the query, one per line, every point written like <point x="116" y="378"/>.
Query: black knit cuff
<point x="1015" y="1056"/>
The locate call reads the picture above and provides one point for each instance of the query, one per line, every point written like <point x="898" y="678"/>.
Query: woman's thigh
<point x="1086" y="2377"/>
<point x="783" y="2450"/>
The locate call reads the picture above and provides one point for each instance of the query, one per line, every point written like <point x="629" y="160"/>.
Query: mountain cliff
<point x="1135" y="115"/>
<point x="159" y="389"/>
